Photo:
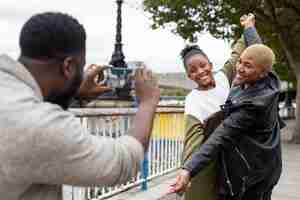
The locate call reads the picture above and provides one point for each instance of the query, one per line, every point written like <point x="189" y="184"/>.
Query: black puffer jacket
<point x="248" y="141"/>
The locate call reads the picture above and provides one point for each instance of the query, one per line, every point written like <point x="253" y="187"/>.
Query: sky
<point x="158" y="49"/>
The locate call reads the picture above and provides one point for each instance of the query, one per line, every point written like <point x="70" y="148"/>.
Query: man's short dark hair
<point x="51" y="35"/>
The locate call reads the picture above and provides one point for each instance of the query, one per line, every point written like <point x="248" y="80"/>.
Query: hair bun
<point x="189" y="48"/>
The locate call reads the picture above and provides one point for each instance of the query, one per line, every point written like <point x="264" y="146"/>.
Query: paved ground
<point x="287" y="189"/>
<point x="289" y="184"/>
<point x="157" y="189"/>
<point x="286" y="133"/>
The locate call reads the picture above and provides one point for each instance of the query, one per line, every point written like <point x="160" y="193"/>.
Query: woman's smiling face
<point x="199" y="69"/>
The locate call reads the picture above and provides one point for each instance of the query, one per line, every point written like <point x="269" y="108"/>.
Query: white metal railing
<point x="163" y="154"/>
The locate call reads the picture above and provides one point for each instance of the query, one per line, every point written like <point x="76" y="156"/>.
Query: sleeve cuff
<point x="188" y="168"/>
<point x="251" y="36"/>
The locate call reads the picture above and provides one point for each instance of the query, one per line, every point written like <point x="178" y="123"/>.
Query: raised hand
<point x="146" y="86"/>
<point x="90" y="86"/>
<point x="248" y="20"/>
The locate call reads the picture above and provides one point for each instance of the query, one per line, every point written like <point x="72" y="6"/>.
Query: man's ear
<point x="264" y="71"/>
<point x="67" y="68"/>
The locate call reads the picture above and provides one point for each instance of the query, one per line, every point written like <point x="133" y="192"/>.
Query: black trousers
<point x="254" y="193"/>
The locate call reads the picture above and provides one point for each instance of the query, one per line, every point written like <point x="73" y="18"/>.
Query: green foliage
<point x="284" y="74"/>
<point x="221" y="18"/>
<point x="189" y="18"/>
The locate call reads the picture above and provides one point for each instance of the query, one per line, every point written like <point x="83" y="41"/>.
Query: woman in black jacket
<point x="247" y="143"/>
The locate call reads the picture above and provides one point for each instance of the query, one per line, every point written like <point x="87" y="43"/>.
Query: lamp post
<point x="117" y="59"/>
<point x="122" y="87"/>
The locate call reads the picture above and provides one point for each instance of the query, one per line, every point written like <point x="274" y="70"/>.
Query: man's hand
<point x="90" y="87"/>
<point x="247" y="20"/>
<point x="182" y="182"/>
<point x="146" y="87"/>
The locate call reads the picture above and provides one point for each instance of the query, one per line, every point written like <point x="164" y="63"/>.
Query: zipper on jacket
<point x="243" y="158"/>
<point x="226" y="176"/>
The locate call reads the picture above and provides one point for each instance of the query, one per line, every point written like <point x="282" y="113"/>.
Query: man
<point x="248" y="140"/>
<point x="43" y="146"/>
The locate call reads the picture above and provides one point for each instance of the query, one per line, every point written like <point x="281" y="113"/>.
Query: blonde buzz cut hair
<point x="261" y="54"/>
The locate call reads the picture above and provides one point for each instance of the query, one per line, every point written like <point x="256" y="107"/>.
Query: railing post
<point x="145" y="172"/>
<point x="67" y="192"/>
<point x="73" y="193"/>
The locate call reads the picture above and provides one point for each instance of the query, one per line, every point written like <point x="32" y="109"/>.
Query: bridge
<point x="163" y="157"/>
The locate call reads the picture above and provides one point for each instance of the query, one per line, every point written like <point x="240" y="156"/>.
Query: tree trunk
<point x="296" y="132"/>
<point x="291" y="50"/>
<point x="295" y="65"/>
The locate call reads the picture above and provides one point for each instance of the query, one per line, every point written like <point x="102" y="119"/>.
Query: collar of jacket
<point x="268" y="85"/>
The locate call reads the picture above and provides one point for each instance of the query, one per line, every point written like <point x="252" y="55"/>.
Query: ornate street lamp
<point x="119" y="73"/>
<point x="117" y="59"/>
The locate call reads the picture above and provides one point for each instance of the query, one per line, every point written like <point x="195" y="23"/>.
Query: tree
<point x="277" y="21"/>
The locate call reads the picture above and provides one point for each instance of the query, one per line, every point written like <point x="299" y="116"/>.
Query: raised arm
<point x="65" y="153"/>
<point x="249" y="37"/>
<point x="148" y="93"/>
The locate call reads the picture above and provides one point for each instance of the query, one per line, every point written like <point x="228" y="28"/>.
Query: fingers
<point x="139" y="74"/>
<point x="251" y="16"/>
<point x="243" y="18"/>
<point x="171" y="189"/>
<point x="91" y="67"/>
<point x="247" y="16"/>
<point x="247" y="20"/>
<point x="148" y="75"/>
<point x="154" y="81"/>
<point x="88" y="91"/>
<point x="101" y="89"/>
<point x="98" y="68"/>
<point x="95" y="70"/>
<point x="142" y="74"/>
<point x="180" y="186"/>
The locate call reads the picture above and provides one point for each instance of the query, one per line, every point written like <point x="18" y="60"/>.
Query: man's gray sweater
<point x="42" y="146"/>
